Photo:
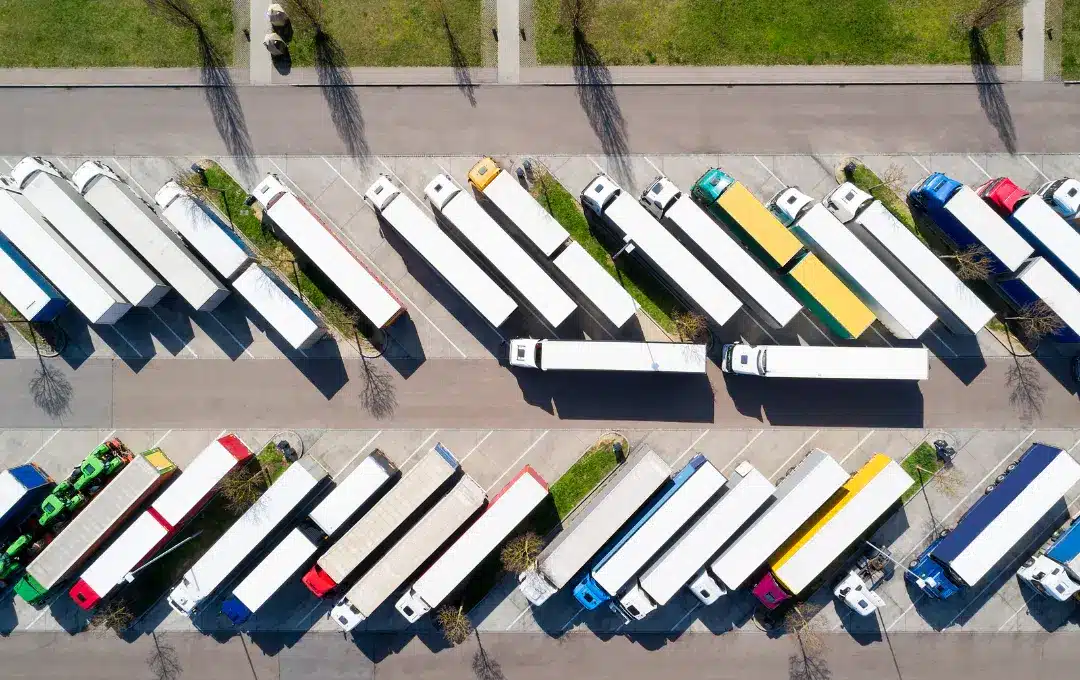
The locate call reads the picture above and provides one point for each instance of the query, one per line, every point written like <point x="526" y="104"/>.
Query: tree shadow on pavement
<point x="51" y="390"/>
<point x="1027" y="393"/>
<point x="991" y="93"/>
<point x="378" y="396"/>
<point x="597" y="97"/>
<point x="460" y="64"/>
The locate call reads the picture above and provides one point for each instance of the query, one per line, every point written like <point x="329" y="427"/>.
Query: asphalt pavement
<point x="477" y="393"/>
<point x="1034" y="117"/>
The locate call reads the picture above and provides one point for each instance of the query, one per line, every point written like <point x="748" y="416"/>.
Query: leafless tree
<point x="378" y="395"/>
<point x="973" y="263"/>
<point x="1027" y="393"/>
<point x="242" y="488"/>
<point x="948" y="480"/>
<point x="520" y="552"/>
<point x="454" y="623"/>
<point x="691" y="327"/>
<point x="163" y="661"/>
<point x="1036" y="320"/>
<point x="893" y="178"/>
<point x="112" y="616"/>
<point x="801" y="622"/>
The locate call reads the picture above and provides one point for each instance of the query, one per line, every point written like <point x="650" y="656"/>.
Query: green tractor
<point x="18" y="553"/>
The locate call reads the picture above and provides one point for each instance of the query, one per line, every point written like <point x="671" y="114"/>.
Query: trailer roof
<point x="217" y="243"/>
<point x="707" y="536"/>
<point x="660" y="357"/>
<point x="447" y="258"/>
<point x="862" y="500"/>
<point x="1066" y="549"/>
<point x="1052" y="288"/>
<point x="599" y="287"/>
<point x="880" y="289"/>
<point x="287" y="558"/>
<point x="21" y="284"/>
<point x="535" y="224"/>
<point x="352" y="493"/>
<point x="1052" y="231"/>
<point x="574" y="546"/>
<point x="422" y="540"/>
<point x="760" y="224"/>
<point x="988" y="228"/>
<point x="673" y="259"/>
<point x="278" y="305"/>
<point x="12" y="491"/>
<point x="772" y="298"/>
<point x="804" y="490"/>
<point x="832" y="295"/>
<point x="509" y="259"/>
<point x="925" y="266"/>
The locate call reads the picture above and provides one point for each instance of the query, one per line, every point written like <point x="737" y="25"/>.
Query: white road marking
<point x="857" y="446"/>
<point x="794" y="453"/>
<point x="518" y="617"/>
<point x="817" y="328"/>
<point x="920" y="164"/>
<point x="158" y="442"/>
<point x="988" y="176"/>
<point x="771" y="173"/>
<point x="943" y="343"/>
<point x="235" y="339"/>
<point x="743" y="450"/>
<point x="169" y="328"/>
<point x="571" y="620"/>
<point x="1036" y="168"/>
<point x="658" y="170"/>
<point x="689" y="448"/>
<point x="693" y="609"/>
<point x="878" y="333"/>
<point x="116" y="330"/>
<point x="42" y="447"/>
<point x="358" y="452"/>
<point x="512" y="465"/>
<point x="418" y="449"/>
<point x="473" y="449"/>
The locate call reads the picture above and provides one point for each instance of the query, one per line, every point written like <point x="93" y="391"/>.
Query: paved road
<point x="659" y="119"/>
<point x="517" y="656"/>
<point x="482" y="394"/>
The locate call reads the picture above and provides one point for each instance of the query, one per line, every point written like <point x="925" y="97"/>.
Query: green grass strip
<point x="921" y="464"/>
<point x="867" y="180"/>
<point x="646" y="291"/>
<point x="582" y="477"/>
<point x="8" y="312"/>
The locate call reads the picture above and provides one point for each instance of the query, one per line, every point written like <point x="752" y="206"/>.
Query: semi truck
<point x="407" y="555"/>
<point x="327" y="252"/>
<point x="62" y="503"/>
<point x="540" y="229"/>
<point x="165" y="517"/>
<point x="502" y="253"/>
<point x="1063" y="195"/>
<point x="389" y="515"/>
<point x="103" y="516"/>
<point x="22" y="488"/>
<point x="282" y="501"/>
<point x="140" y="227"/>
<point x="962" y="557"/>
<point x="671" y="263"/>
<point x="910" y="259"/>
<point x="658" y="522"/>
<point x="832" y="363"/>
<point x="599" y="355"/>
<point x="302" y="543"/>
<point x="850" y="514"/>
<point x="204" y="231"/>
<point x="66" y="269"/>
<point x="279" y="306"/>
<point x="25" y="288"/>
<point x="1038" y="280"/>
<point x="507" y="510"/>
<point x="732" y="204"/>
<point x="69" y="213"/>
<point x="440" y="252"/>
<point x="772" y="302"/>
<point x="964" y="221"/>
<point x="1055" y="570"/>
<point x="565" y="556"/>
<point x="1052" y="237"/>
<point x="746" y="494"/>
<point x="898" y="308"/>
<point x="804" y="489"/>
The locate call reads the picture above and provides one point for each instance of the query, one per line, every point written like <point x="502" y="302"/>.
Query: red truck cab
<point x="1003" y="195"/>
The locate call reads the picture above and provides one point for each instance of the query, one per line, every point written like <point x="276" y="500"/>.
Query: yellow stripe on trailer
<point x="759" y="224"/>
<point x="825" y="294"/>
<point x="849" y="514"/>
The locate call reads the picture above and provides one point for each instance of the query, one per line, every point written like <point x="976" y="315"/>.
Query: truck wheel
<point x="1012" y="466"/>
<point x="912" y="564"/>
<point x="943" y="533"/>
<point x="1000" y="479"/>
<point x="1029" y="562"/>
<point x="989" y="489"/>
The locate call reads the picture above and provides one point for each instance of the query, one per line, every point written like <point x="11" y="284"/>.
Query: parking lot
<point x="440" y="324"/>
<point x="492" y="456"/>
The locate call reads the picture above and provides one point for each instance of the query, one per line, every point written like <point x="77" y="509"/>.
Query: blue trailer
<point x="1009" y="509"/>
<point x="25" y="287"/>
<point x="22" y="488"/>
<point x="964" y="220"/>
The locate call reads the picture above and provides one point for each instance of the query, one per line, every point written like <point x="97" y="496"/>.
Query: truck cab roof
<point x="936" y="186"/>
<point x="659" y="196"/>
<point x="846" y="201"/>
<point x="483" y="172"/>
<point x="1063" y="195"/>
<point x="381" y="192"/>
<point x="168" y="193"/>
<point x="1003" y="195"/>
<point x="440" y="190"/>
<point x="788" y="204"/>
<point x="88" y="172"/>
<point x="269" y="190"/>
<point x="600" y="191"/>
<point x="31" y="165"/>
<point x="712" y="184"/>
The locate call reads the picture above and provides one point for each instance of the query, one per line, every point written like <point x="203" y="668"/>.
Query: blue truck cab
<point x="22" y="489"/>
<point x="710" y="186"/>
<point x="591" y="594"/>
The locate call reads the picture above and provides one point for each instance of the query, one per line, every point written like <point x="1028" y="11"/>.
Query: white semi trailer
<point x="837" y="363"/>
<point x="596" y="355"/>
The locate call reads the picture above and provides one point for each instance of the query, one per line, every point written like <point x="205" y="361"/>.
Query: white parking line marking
<point x="1036" y="167"/>
<point x="1075" y="444"/>
<point x="571" y="620"/>
<point x="132" y="178"/>
<point x="658" y="170"/>
<point x="988" y="176"/>
<point x="794" y="453"/>
<point x="63" y="165"/>
<point x="518" y="617"/>
<point x="360" y="251"/>
<point x="920" y="164"/>
<point x="358" y="452"/>
<point x="771" y="173"/>
<point x="817" y="328"/>
<point x="116" y="330"/>
<point x="943" y="343"/>
<point x="689" y="448"/>
<point x="878" y="333"/>
<point x="743" y="450"/>
<point x="473" y="449"/>
<point x="106" y="438"/>
<point x="227" y="331"/>
<point x="45" y="610"/>
<point x="512" y="465"/>
<point x="904" y="559"/>
<point x="158" y="442"/>
<point x="42" y="447"/>
<point x="598" y="166"/>
<point x="857" y="446"/>
<point x="178" y="338"/>
<point x="418" y="449"/>
<point x="685" y="616"/>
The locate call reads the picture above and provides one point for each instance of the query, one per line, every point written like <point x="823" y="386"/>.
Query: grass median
<point x="14" y="320"/>
<point x="657" y="302"/>
<point x="867" y="180"/>
<point x="1070" y="40"/>
<point x="921" y="464"/>
<point x="764" y="32"/>
<point x="106" y="33"/>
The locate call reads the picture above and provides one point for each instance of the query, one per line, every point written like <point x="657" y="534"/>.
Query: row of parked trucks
<point x="419" y="535"/>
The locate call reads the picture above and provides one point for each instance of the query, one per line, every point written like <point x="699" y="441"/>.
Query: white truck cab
<point x="659" y="196"/>
<point x="743" y="358"/>
<point x="440" y="190"/>
<point x="269" y="190"/>
<point x="525" y="352"/>
<point x="856" y="594"/>
<point x="381" y="192"/>
<point x="788" y="204"/>
<point x="1049" y="578"/>
<point x="1063" y="195"/>
<point x="705" y="588"/>
<point x="846" y="201"/>
<point x="600" y="192"/>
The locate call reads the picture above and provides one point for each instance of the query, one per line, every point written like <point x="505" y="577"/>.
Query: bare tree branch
<point x="691" y="327"/>
<point x="112" y="616"/>
<point x="454" y="623"/>
<point x="1036" y="320"/>
<point x="973" y="263"/>
<point x="520" y="552"/>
